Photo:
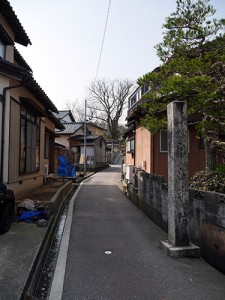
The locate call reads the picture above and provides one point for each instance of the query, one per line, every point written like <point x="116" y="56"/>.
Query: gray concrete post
<point x="178" y="244"/>
<point x="178" y="192"/>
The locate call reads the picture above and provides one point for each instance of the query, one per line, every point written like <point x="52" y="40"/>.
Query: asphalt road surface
<point x="113" y="252"/>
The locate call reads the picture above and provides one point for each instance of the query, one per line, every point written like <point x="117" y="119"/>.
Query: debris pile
<point x="33" y="211"/>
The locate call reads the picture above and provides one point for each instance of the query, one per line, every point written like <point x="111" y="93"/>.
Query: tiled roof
<point x="70" y="128"/>
<point x="20" y="60"/>
<point x="56" y="121"/>
<point x="32" y="85"/>
<point x="24" y="75"/>
<point x="63" y="113"/>
<point x="8" y="13"/>
<point x="6" y="39"/>
<point x="81" y="137"/>
<point x="12" y="70"/>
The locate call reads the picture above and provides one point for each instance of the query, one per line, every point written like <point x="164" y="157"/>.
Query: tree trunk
<point x="113" y="129"/>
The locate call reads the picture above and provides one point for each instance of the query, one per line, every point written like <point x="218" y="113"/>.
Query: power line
<point x="103" y="39"/>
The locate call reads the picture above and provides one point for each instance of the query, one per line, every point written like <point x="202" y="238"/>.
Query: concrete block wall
<point x="207" y="215"/>
<point x="59" y="197"/>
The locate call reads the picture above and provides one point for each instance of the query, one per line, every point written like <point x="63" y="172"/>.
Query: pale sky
<point x="67" y="36"/>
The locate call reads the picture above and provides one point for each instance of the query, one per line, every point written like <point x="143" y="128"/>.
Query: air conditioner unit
<point x="129" y="173"/>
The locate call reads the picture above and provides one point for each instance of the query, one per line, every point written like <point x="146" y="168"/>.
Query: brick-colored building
<point x="148" y="152"/>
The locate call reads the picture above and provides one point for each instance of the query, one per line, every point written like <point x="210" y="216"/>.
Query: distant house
<point x="149" y="152"/>
<point x="27" y="122"/>
<point x="72" y="137"/>
<point x="65" y="116"/>
<point x="95" y="149"/>
<point x="63" y="136"/>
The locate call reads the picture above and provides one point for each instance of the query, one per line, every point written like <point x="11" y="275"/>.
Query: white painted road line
<point x="58" y="279"/>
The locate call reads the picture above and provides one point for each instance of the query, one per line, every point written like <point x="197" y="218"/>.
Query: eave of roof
<point x="63" y="113"/>
<point x="8" y="13"/>
<point x="81" y="137"/>
<point x="129" y="130"/>
<point x="12" y="70"/>
<point x="56" y="121"/>
<point x="6" y="39"/>
<point x="26" y="78"/>
<point x="20" y="60"/>
<point x="31" y="84"/>
<point x="70" y="128"/>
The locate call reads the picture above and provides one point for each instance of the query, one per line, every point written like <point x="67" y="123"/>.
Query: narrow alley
<point x="114" y="253"/>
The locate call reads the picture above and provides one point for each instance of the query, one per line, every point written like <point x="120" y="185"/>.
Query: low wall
<point x="92" y="168"/>
<point x="57" y="200"/>
<point x="207" y="215"/>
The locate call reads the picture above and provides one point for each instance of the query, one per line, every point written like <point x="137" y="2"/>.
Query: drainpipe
<point x="3" y="99"/>
<point x="152" y="154"/>
<point x="85" y="137"/>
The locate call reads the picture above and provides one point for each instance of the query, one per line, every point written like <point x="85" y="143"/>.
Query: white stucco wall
<point x="63" y="140"/>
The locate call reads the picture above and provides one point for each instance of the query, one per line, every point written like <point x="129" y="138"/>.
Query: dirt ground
<point x="47" y="190"/>
<point x="44" y="192"/>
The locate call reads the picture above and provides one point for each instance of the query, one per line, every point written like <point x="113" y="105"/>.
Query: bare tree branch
<point x="108" y="98"/>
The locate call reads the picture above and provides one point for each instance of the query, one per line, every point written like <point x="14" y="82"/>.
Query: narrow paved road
<point x="114" y="252"/>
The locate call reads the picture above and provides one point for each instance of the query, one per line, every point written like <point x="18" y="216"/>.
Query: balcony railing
<point x="137" y="98"/>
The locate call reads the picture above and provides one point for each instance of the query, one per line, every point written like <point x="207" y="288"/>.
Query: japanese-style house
<point x="27" y="124"/>
<point x="148" y="152"/>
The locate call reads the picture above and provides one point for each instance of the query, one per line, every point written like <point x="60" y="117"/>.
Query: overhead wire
<point x="103" y="40"/>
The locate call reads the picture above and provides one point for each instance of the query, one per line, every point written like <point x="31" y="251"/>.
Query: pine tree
<point x="193" y="69"/>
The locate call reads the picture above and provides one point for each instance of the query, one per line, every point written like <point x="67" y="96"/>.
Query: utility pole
<point x="85" y="137"/>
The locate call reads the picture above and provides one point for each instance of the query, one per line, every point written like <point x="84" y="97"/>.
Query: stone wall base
<point x="185" y="251"/>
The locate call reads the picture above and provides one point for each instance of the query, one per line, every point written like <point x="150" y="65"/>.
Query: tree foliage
<point x="209" y="180"/>
<point x="107" y="98"/>
<point x="193" y="69"/>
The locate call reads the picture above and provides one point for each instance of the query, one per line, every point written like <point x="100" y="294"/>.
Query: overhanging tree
<point x="193" y="69"/>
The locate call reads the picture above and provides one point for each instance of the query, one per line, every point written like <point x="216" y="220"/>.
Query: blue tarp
<point x="65" y="168"/>
<point x="30" y="216"/>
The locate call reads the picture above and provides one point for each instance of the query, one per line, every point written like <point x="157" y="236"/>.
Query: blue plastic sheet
<point x="29" y="216"/>
<point x="65" y="168"/>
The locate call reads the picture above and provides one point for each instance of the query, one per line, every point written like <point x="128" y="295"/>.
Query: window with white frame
<point x="130" y="145"/>
<point x="144" y="89"/>
<point x="132" y="101"/>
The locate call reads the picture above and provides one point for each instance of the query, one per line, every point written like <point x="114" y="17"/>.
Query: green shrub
<point x="220" y="168"/>
<point x="213" y="181"/>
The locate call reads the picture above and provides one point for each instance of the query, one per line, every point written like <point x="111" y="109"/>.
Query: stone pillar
<point x="178" y="193"/>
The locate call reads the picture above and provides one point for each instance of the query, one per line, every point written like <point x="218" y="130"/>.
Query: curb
<point x="56" y="288"/>
<point x="36" y="268"/>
